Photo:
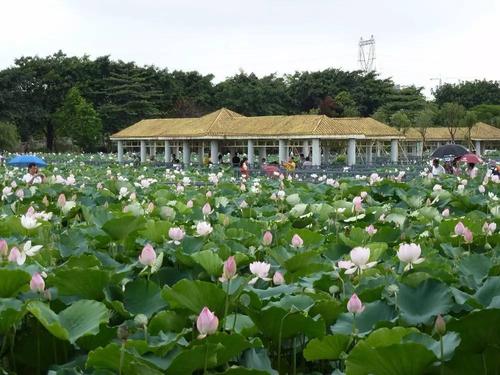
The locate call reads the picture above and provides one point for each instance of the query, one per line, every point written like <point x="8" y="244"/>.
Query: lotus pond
<point x="109" y="269"/>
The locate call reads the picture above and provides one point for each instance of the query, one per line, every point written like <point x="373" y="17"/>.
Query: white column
<point x="351" y="152"/>
<point x="326" y="153"/>
<point x="282" y="151"/>
<point x="262" y="154"/>
<point x="186" y="154"/>
<point x="120" y="151"/>
<point x="168" y="152"/>
<point x="316" y="153"/>
<point x="250" y="152"/>
<point x="478" y="148"/>
<point x="305" y="148"/>
<point x="214" y="151"/>
<point x="369" y="153"/>
<point x="420" y="149"/>
<point x="143" y="151"/>
<point x="394" y="150"/>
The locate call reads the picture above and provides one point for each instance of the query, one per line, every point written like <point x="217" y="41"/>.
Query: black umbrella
<point x="450" y="150"/>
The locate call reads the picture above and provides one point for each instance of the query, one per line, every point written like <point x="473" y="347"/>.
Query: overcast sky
<point x="415" y="40"/>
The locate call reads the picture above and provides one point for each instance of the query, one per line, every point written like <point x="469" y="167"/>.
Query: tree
<point x="9" y="141"/>
<point x="451" y="116"/>
<point x="423" y="120"/>
<point x="488" y="113"/>
<point x="408" y="99"/>
<point x="401" y="121"/>
<point x="328" y="107"/>
<point x="469" y="93"/>
<point x="347" y="105"/>
<point x="77" y="119"/>
<point x="252" y="96"/>
<point x="469" y="120"/>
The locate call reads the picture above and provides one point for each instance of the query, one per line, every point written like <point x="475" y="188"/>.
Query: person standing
<point x="437" y="169"/>
<point x="33" y="176"/>
<point x="244" y="170"/>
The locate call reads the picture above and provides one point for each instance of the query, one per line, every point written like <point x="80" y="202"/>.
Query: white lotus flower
<point x="409" y="253"/>
<point x="203" y="228"/>
<point x="29" y="222"/>
<point x="359" y="261"/>
<point x="260" y="270"/>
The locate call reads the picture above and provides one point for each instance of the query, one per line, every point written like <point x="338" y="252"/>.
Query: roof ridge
<point x="320" y="120"/>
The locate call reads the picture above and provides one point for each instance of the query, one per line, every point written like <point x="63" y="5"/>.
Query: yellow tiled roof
<point x="479" y="132"/>
<point x="226" y="123"/>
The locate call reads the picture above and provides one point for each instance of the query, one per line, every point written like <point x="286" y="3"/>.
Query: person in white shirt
<point x="33" y="176"/>
<point x="437" y="169"/>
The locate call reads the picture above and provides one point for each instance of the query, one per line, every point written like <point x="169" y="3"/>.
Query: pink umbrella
<point x="471" y="158"/>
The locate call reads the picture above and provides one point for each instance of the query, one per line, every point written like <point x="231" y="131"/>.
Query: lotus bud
<point x="45" y="201"/>
<point x="208" y="194"/>
<point x="278" y="278"/>
<point x="354" y="305"/>
<point x="206" y="323"/>
<point x="4" y="248"/>
<point x="176" y="234"/>
<point x="122" y="332"/>
<point x="297" y="241"/>
<point x="445" y="213"/>
<point x="37" y="284"/>
<point x="481" y="189"/>
<point x="61" y="201"/>
<point x="267" y="238"/>
<point x="229" y="269"/>
<point x="189" y="204"/>
<point x="15" y="255"/>
<point x="206" y="209"/>
<point x="370" y="229"/>
<point x="440" y="325"/>
<point x="468" y="237"/>
<point x="148" y="255"/>
<point x="459" y="228"/>
<point x="141" y="320"/>
<point x="363" y="194"/>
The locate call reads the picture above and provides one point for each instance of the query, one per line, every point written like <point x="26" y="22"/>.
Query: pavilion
<point x="316" y="136"/>
<point x="482" y="137"/>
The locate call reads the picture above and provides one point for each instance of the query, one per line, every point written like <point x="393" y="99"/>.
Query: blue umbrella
<point x="25" y="160"/>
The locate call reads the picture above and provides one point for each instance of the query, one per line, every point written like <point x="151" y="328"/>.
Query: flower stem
<point x="226" y="307"/>
<point x="441" y="346"/>
<point x="206" y="360"/>
<point x="122" y="357"/>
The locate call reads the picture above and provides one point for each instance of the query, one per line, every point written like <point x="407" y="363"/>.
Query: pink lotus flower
<point x="206" y="323"/>
<point x="488" y="229"/>
<point x="37" y="284"/>
<point x="267" y="238"/>
<point x="357" y="204"/>
<point x="16" y="256"/>
<point x="445" y="213"/>
<point x="410" y="253"/>
<point x="176" y="234"/>
<point x="208" y="194"/>
<point x="19" y="256"/>
<point x="206" y="209"/>
<point x="189" y="204"/>
<point x="459" y="228"/>
<point x="4" y="248"/>
<point x="260" y="270"/>
<point x="148" y="255"/>
<point x="297" y="241"/>
<point x="370" y="229"/>
<point x="228" y="270"/>
<point x="61" y="200"/>
<point x="354" y="305"/>
<point x="467" y="234"/>
<point x="278" y="278"/>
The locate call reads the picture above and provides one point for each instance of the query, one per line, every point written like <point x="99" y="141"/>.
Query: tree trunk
<point x="50" y="136"/>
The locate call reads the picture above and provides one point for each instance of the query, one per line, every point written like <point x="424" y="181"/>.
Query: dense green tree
<point x="488" y="113"/>
<point x="9" y="141"/>
<point x="408" y="99"/>
<point x="77" y="119"/>
<point x="425" y="119"/>
<point x="469" y="93"/>
<point x="451" y="115"/>
<point x="347" y="106"/>
<point x="252" y="96"/>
